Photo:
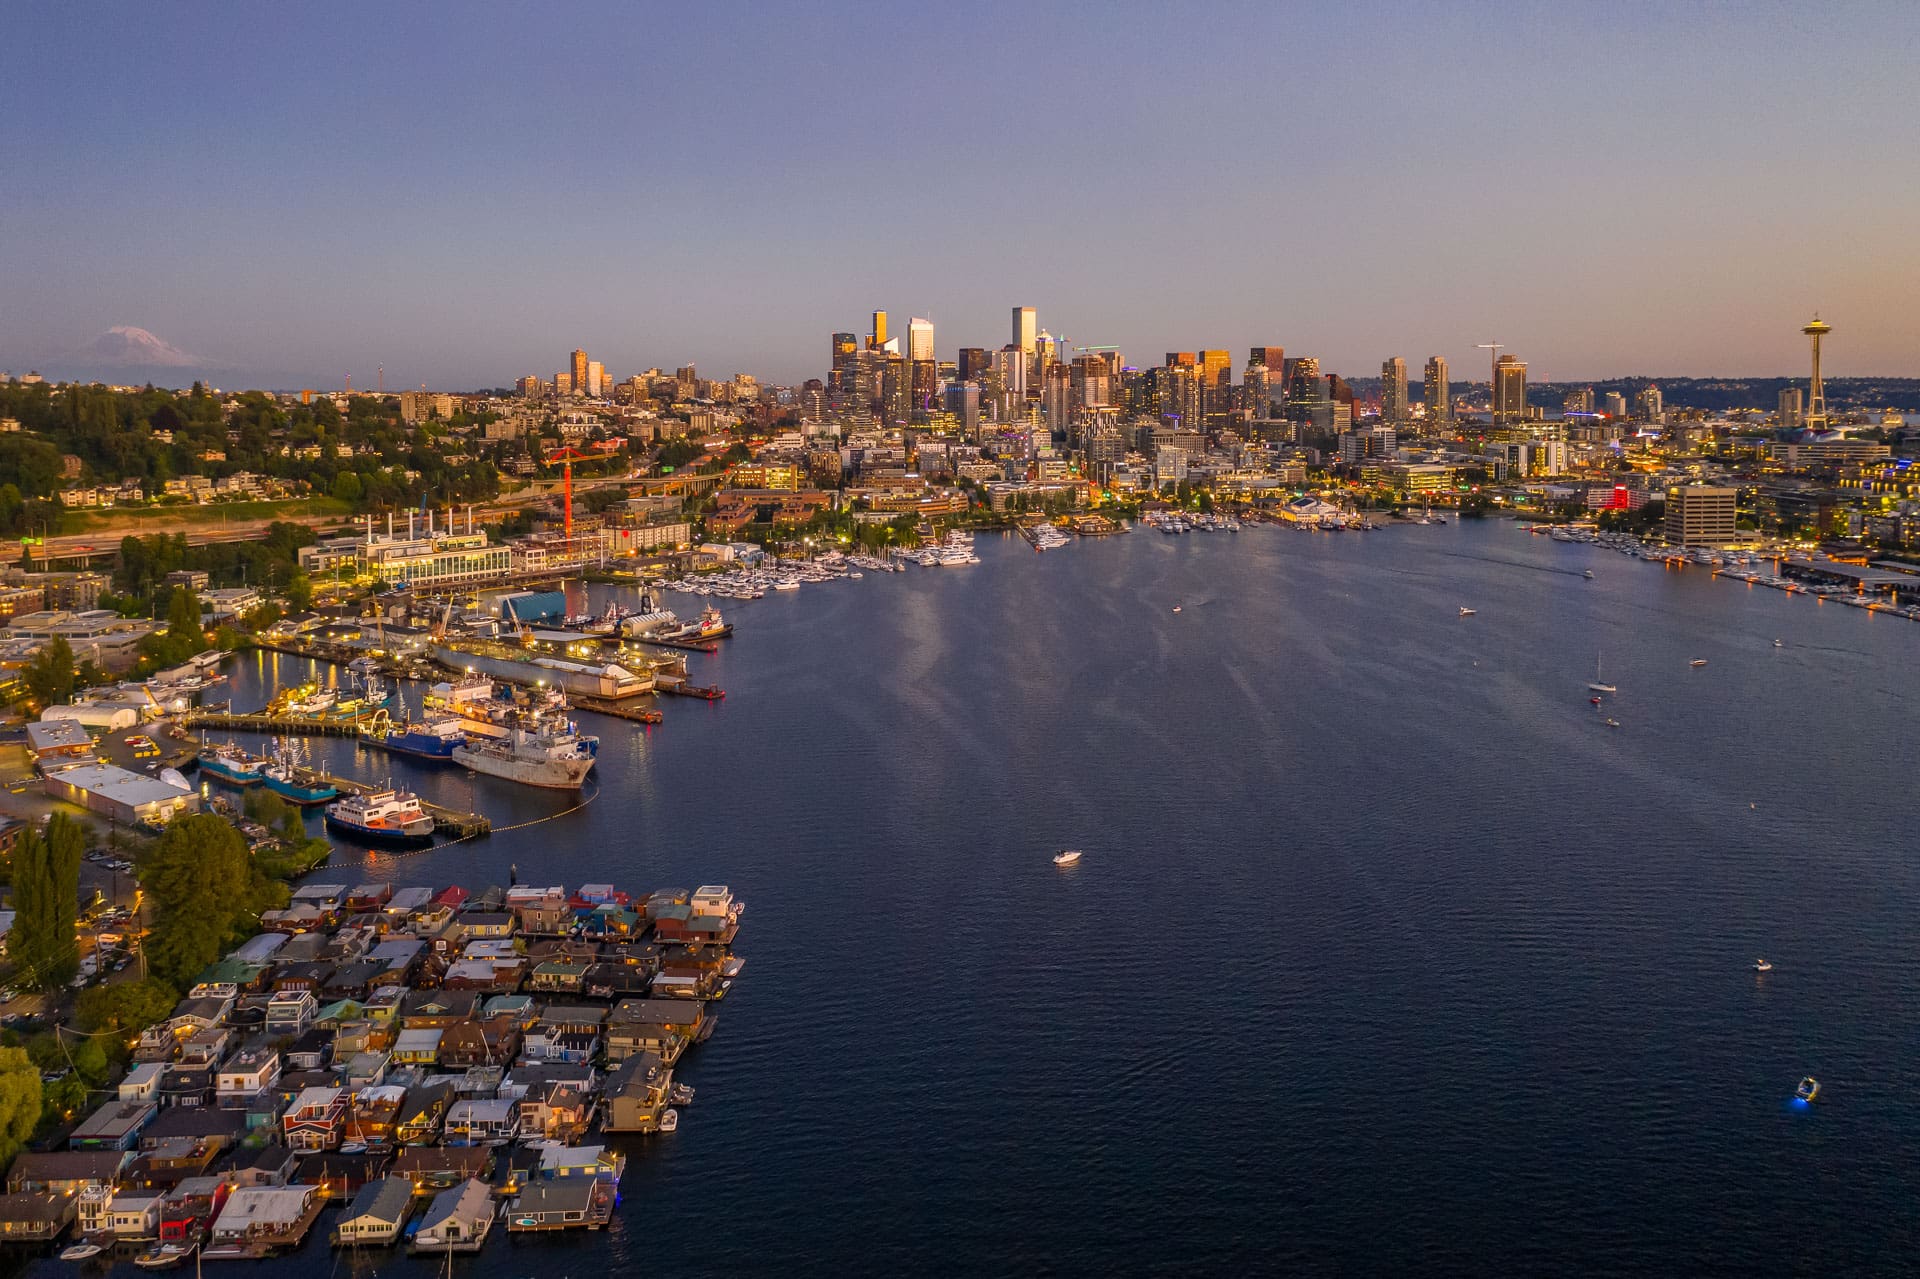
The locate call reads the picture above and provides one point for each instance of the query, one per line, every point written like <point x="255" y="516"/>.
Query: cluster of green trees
<point x="297" y="853"/>
<point x="206" y="892"/>
<point x="20" y="1100"/>
<point x="46" y="900"/>
<point x="153" y="436"/>
<point x="52" y="675"/>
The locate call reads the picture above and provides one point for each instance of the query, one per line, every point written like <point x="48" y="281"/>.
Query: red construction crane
<point x="566" y="455"/>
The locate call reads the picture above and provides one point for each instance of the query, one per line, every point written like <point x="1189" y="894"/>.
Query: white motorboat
<point x="1698" y="661"/>
<point x="80" y="1251"/>
<point x="1779" y="643"/>
<point x="1465" y="611"/>
<point x="1762" y="965"/>
<point x="1066" y="857"/>
<point x="669" y="1120"/>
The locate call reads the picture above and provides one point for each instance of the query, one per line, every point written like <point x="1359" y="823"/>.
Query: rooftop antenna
<point x="382" y="383"/>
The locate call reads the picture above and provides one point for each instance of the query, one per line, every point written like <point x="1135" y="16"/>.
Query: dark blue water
<point x="1385" y="951"/>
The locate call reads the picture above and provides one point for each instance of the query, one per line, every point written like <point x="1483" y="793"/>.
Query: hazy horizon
<point x="284" y="197"/>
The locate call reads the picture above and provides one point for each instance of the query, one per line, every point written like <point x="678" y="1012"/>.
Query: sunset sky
<point x="285" y="195"/>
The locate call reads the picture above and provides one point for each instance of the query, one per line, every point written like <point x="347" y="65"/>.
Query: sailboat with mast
<point x="1599" y="684"/>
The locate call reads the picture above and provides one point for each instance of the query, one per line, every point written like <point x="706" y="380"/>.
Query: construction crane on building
<point x="566" y="456"/>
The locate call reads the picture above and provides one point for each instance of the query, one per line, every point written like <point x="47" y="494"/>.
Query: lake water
<point x="1386" y="952"/>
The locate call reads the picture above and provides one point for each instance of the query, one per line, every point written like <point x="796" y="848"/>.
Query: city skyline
<point x="1617" y="201"/>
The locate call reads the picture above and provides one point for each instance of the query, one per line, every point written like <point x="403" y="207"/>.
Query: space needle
<point x="1816" y="419"/>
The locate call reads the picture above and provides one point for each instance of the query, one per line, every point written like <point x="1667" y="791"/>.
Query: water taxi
<point x="1066" y="857"/>
<point x="1809" y="1089"/>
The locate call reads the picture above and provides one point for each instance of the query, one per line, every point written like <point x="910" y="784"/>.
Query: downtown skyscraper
<point x="1393" y="390"/>
<point x="1439" y="393"/>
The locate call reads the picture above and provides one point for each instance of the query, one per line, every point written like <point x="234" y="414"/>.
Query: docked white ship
<point x="557" y="760"/>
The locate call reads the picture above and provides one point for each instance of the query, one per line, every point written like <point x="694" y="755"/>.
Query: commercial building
<point x="1702" y="515"/>
<point x="419" y="406"/>
<point x="1393" y="390"/>
<point x="125" y="797"/>
<point x="1509" y="389"/>
<point x="1439" y="394"/>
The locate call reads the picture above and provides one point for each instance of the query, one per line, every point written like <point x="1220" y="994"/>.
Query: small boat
<point x="164" y="1257"/>
<point x="1698" y="661"/>
<point x="80" y="1251"/>
<point x="1066" y="857"/>
<point x="1762" y="965"/>
<point x="669" y="1120"/>
<point x="1779" y="643"/>
<point x="1599" y="685"/>
<point x="1465" y="611"/>
<point x="1176" y="608"/>
<point x="1809" y="1089"/>
<point x="682" y="1095"/>
<point x="1588" y="575"/>
<point x="1612" y="722"/>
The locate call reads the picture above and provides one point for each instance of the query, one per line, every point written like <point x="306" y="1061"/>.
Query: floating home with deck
<point x="436" y="1056"/>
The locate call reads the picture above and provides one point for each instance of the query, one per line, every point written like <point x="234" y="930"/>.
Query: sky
<point x="283" y="195"/>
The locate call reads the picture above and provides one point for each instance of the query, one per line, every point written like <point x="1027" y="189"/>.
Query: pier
<point x="283" y="725"/>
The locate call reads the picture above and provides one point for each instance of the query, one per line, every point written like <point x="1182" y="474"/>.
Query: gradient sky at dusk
<point x="465" y="192"/>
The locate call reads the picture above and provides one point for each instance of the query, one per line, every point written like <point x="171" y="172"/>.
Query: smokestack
<point x="389" y="526"/>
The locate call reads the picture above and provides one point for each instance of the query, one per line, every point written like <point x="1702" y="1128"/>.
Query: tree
<point x="46" y="897"/>
<point x="299" y="591"/>
<point x="20" y="1100"/>
<point x="50" y="675"/>
<point x="205" y="891"/>
<point x="183" y="619"/>
<point x="129" y="1006"/>
<point x="346" y="486"/>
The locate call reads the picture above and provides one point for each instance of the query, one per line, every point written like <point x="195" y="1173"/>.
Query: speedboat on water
<point x="80" y="1251"/>
<point x="1066" y="857"/>
<point x="1809" y="1089"/>
<point x="1465" y="611"/>
<point x="1762" y="965"/>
